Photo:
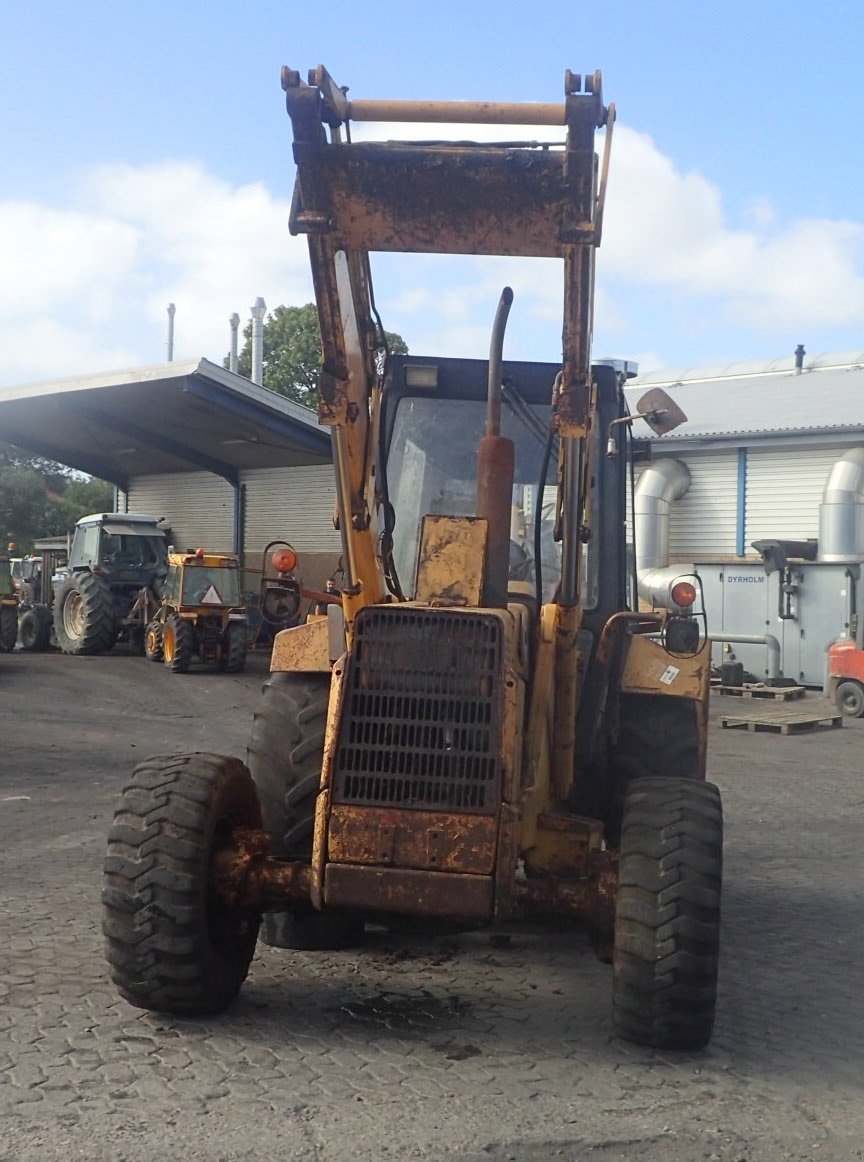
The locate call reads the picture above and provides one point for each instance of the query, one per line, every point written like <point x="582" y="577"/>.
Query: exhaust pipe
<point x="495" y="470"/>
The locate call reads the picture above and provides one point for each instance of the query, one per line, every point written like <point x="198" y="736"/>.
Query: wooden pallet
<point x="786" y="720"/>
<point x="760" y="690"/>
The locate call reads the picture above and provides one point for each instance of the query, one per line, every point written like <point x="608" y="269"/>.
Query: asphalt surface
<point x="476" y="1047"/>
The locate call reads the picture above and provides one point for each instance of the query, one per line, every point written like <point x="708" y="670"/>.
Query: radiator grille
<point x="421" y="720"/>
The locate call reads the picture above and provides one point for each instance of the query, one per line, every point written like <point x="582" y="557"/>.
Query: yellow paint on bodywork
<point x="303" y="649"/>
<point x="649" y="669"/>
<point x="563" y="844"/>
<point x="452" y="560"/>
<point x="322" y="803"/>
<point x="536" y="793"/>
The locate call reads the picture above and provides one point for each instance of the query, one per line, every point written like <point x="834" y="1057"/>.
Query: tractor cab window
<point x="123" y="551"/>
<point x="432" y="469"/>
<point x="172" y="584"/>
<point x="210" y="586"/>
<point x="85" y="550"/>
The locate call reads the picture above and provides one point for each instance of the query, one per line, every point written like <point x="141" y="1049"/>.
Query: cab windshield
<point x="432" y="469"/>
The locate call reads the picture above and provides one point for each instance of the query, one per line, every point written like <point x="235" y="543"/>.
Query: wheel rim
<point x="168" y="644"/>
<point x="152" y="644"/>
<point x="73" y="615"/>
<point x="850" y="702"/>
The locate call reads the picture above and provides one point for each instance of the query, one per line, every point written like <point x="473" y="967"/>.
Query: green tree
<point x="55" y="475"/>
<point x="79" y="498"/>
<point x="23" y="500"/>
<point x="45" y="503"/>
<point x="292" y="352"/>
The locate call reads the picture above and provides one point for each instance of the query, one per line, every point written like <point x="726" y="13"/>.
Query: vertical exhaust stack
<point x="841" y="513"/>
<point x="799" y="358"/>
<point x="233" y="361"/>
<point x="171" y="312"/>
<point x="495" y="470"/>
<point x="259" y="310"/>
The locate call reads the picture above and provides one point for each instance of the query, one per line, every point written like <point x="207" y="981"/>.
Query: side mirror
<point x="660" y="412"/>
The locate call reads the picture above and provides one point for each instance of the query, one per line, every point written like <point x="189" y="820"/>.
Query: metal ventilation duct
<point x="841" y="513"/>
<point x="661" y="483"/>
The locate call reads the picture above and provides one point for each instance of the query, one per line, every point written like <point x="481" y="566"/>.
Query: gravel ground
<point x="479" y="1047"/>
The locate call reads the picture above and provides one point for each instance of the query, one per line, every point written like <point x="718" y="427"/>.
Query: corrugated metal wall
<point x="292" y="504"/>
<point x="784" y="490"/>
<point x="703" y="523"/>
<point x="198" y="507"/>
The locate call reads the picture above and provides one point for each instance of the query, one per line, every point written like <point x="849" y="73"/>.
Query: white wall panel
<point x="703" y="523"/>
<point x="784" y="490"/>
<point x="198" y="507"/>
<point x="291" y="504"/>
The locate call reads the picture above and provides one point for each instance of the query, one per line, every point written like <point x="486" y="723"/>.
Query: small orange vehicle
<point x="202" y="614"/>
<point x="846" y="677"/>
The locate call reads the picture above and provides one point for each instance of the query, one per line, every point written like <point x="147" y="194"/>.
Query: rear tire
<point x="8" y="627"/>
<point x="172" y="944"/>
<point x="849" y="697"/>
<point x="285" y="755"/>
<point x="178" y="644"/>
<point x="667" y="918"/>
<point x="234" y="655"/>
<point x="658" y="736"/>
<point x="84" y="615"/>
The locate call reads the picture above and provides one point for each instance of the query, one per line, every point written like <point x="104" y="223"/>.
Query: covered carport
<point x="228" y="464"/>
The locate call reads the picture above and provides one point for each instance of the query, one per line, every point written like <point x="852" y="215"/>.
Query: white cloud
<point x="97" y="275"/>
<point x="52" y="254"/>
<point x="668" y="228"/>
<point x="86" y="283"/>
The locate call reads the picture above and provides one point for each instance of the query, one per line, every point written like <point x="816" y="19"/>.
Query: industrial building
<point x="232" y="466"/>
<point x="760" y="453"/>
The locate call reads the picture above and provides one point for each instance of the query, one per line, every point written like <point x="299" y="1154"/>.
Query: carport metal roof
<point x="171" y="417"/>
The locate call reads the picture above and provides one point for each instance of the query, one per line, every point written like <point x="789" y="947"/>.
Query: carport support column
<point x="239" y="520"/>
<point x="741" y="516"/>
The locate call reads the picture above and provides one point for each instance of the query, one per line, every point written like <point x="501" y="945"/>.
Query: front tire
<point x="153" y="641"/>
<point x="285" y="755"/>
<point x="84" y="615"/>
<point x="178" y="644"/>
<point x="34" y="630"/>
<point x="173" y="945"/>
<point x="667" y="918"/>
<point x="849" y="697"/>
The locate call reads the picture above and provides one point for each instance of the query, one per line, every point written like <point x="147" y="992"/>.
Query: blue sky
<point x="146" y="159"/>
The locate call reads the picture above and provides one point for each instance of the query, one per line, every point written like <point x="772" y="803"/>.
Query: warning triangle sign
<point x="211" y="597"/>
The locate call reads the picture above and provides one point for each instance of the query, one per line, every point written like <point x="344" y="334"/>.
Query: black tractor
<point x="117" y="568"/>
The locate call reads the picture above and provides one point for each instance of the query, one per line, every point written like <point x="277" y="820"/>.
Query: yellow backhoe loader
<point x="490" y="725"/>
